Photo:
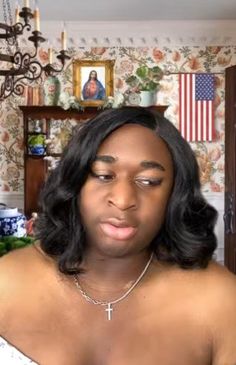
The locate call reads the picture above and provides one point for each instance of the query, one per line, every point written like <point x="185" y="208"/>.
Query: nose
<point x="123" y="195"/>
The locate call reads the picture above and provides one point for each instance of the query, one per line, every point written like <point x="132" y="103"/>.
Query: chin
<point x="118" y="249"/>
<point x="115" y="250"/>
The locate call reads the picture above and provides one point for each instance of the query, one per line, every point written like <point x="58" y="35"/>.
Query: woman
<point x="123" y="270"/>
<point x="93" y="88"/>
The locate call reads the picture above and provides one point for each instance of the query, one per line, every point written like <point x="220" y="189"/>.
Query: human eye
<point x="101" y="176"/>
<point x="149" y="182"/>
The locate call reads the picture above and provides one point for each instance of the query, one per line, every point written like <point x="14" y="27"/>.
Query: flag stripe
<point x="196" y="112"/>
<point x="188" y="97"/>
<point x="180" y="101"/>
<point x="199" y="116"/>
<point x="186" y="105"/>
<point x="189" y="136"/>
<point x="193" y="112"/>
<point x="211" y="121"/>
<point x="202" y="121"/>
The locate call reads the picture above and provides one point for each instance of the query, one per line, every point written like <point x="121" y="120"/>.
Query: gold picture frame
<point x="93" y="81"/>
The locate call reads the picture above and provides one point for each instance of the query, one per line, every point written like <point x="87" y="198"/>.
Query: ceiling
<point x="134" y="10"/>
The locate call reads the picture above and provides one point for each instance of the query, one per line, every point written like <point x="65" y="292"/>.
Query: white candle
<point x="26" y="4"/>
<point x="17" y="11"/>
<point x="50" y="55"/>
<point x="36" y="20"/>
<point x="36" y="17"/>
<point x="64" y="38"/>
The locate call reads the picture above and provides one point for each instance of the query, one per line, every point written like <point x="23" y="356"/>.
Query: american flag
<point x="196" y="114"/>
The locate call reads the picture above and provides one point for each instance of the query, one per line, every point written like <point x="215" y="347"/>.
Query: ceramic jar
<point x="36" y="144"/>
<point x="51" y="90"/>
<point x="12" y="222"/>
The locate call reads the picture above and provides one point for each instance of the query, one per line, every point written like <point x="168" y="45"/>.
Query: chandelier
<point x="20" y="68"/>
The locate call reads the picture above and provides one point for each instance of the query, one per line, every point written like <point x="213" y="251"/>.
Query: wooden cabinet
<point x="35" y="166"/>
<point x="230" y="168"/>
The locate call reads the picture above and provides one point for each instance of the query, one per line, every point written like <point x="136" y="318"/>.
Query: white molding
<point x="144" y="33"/>
<point x="217" y="201"/>
<point x="158" y="33"/>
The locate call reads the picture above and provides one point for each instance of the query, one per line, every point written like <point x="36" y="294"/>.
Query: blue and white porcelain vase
<point x="36" y="144"/>
<point x="38" y="150"/>
<point x="12" y="223"/>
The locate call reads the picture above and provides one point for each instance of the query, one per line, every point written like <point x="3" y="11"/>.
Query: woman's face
<point x="123" y="201"/>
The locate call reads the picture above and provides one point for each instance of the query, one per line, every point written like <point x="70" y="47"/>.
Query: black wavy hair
<point x="187" y="236"/>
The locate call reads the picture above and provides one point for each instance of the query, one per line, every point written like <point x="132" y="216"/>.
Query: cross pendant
<point x="109" y="310"/>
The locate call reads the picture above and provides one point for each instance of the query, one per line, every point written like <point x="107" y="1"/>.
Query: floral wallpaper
<point x="172" y="61"/>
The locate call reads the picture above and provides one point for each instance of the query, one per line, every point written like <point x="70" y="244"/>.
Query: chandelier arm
<point x="51" y="70"/>
<point x="35" y="71"/>
<point x="36" y="38"/>
<point x="26" y="14"/>
<point x="24" y="66"/>
<point x="7" y="87"/>
<point x="19" y="28"/>
<point x="21" y="62"/>
<point x="6" y="58"/>
<point x="12" y="86"/>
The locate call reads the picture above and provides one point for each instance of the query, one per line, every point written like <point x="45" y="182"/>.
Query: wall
<point x="175" y="47"/>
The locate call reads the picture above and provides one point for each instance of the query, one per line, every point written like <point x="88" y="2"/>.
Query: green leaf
<point x="142" y="72"/>
<point x="18" y="244"/>
<point x="146" y="78"/>
<point x="157" y="70"/>
<point x="37" y="139"/>
<point x="152" y="85"/>
<point x="132" y="81"/>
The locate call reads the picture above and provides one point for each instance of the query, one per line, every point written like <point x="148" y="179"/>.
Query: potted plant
<point x="36" y="143"/>
<point x="146" y="81"/>
<point x="9" y="243"/>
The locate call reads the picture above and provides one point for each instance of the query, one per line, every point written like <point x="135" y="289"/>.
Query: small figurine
<point x="29" y="225"/>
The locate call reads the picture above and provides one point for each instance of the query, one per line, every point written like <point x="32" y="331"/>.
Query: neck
<point x="100" y="272"/>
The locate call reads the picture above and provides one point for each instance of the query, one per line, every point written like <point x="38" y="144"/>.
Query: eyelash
<point x="100" y="176"/>
<point x="143" y="182"/>
<point x="150" y="182"/>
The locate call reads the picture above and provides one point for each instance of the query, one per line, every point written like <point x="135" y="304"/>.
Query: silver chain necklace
<point x="108" y="305"/>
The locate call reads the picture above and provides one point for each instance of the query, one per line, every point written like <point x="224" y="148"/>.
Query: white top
<point x="9" y="355"/>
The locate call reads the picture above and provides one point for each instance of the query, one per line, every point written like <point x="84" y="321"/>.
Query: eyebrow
<point x="152" y="165"/>
<point x="105" y="158"/>
<point x="145" y="164"/>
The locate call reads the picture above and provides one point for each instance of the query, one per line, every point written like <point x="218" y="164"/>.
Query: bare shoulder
<point x="205" y="298"/>
<point x="221" y="285"/>
<point x="215" y="286"/>
<point x="13" y="264"/>
<point x="22" y="263"/>
<point x="20" y="273"/>
<point x="214" y="291"/>
<point x="28" y="283"/>
<point x="213" y="280"/>
<point x="14" y="267"/>
<point x="219" y="282"/>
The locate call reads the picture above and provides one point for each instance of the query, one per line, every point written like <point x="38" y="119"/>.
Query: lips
<point x="118" y="230"/>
